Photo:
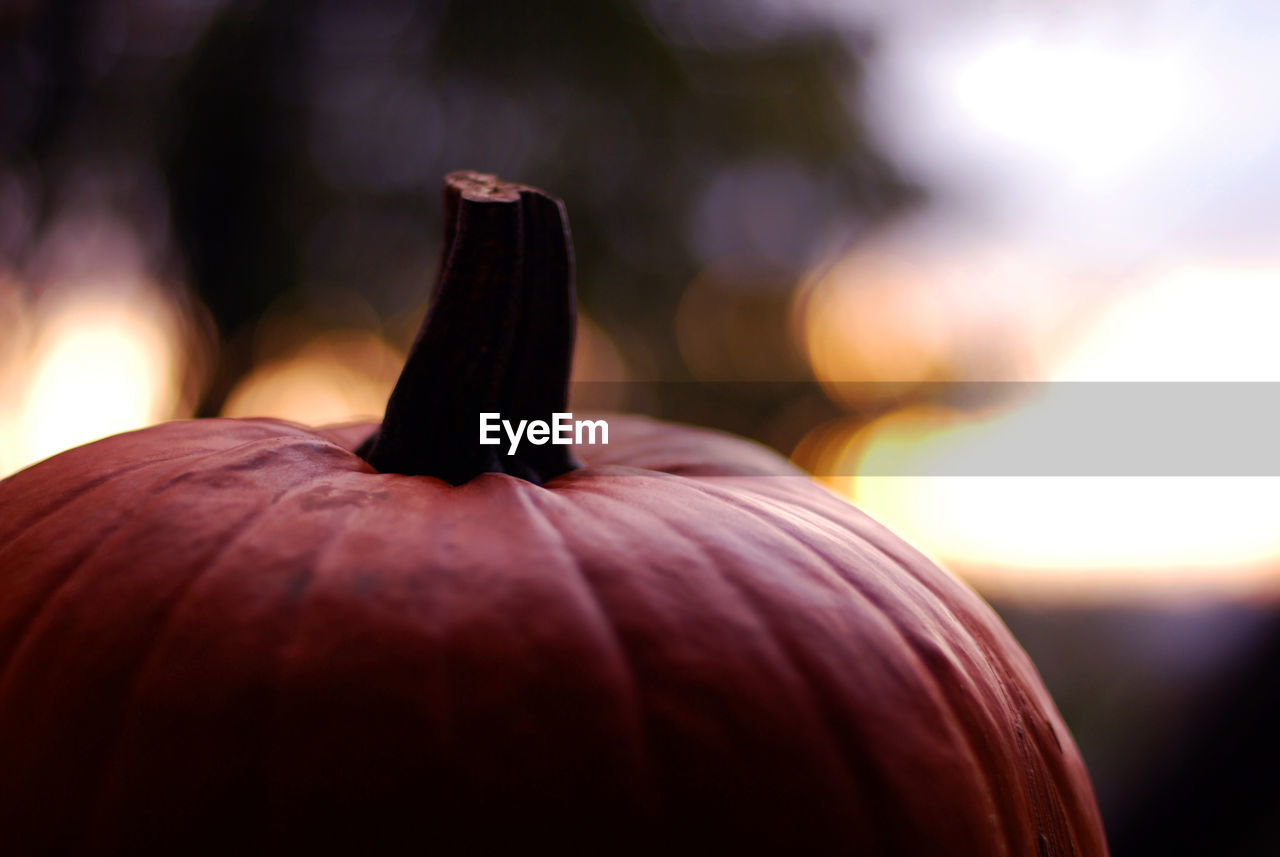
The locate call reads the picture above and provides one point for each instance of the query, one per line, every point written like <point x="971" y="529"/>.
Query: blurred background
<point x="214" y="207"/>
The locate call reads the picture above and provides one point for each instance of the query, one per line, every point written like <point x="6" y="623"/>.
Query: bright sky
<point x="1115" y="128"/>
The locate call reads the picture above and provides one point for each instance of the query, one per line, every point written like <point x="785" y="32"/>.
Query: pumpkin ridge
<point x="42" y="603"/>
<point x="1001" y="676"/>
<point x="125" y="518"/>
<point x="181" y="598"/>
<point x="942" y="701"/>
<point x="75" y="565"/>
<point x="982" y="761"/>
<point x="633" y="697"/>
<point x="942" y="586"/>
<point x="1053" y="826"/>
<point x="31" y="633"/>
<point x="111" y="756"/>
<point x="800" y="692"/>
<point x="269" y="768"/>
<point x="1053" y="830"/>
<point x="1008" y="680"/>
<point x="856" y="770"/>
<point x="33" y="516"/>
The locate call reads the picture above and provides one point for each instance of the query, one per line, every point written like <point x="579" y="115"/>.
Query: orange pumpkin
<point x="228" y="636"/>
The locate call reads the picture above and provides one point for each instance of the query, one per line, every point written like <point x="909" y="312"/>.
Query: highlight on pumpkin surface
<point x="86" y="361"/>
<point x="1085" y="537"/>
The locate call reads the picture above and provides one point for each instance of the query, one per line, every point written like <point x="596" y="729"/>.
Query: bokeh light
<point x="87" y="362"/>
<point x="869" y="319"/>
<point x="928" y="302"/>
<point x="731" y="324"/>
<point x="1197" y="322"/>
<point x="1085" y="537"/>
<point x="1035" y="537"/>
<point x="334" y="377"/>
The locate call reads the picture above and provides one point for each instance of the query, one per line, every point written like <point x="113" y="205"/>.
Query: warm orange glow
<point x="596" y="357"/>
<point x="15" y="321"/>
<point x="1086" y="536"/>
<point x="336" y="377"/>
<point x="345" y="375"/>
<point x="94" y="360"/>
<point x="869" y="319"/>
<point x="731" y="322"/>
<point x="600" y="373"/>
<point x="925" y="303"/>
<point x="1077" y="537"/>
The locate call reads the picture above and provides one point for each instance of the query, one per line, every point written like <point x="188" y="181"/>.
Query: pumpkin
<point x="245" y="635"/>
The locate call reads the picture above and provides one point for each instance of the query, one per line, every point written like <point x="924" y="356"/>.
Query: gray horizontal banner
<point x="994" y="429"/>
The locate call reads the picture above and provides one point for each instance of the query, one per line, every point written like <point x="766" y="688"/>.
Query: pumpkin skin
<point x="233" y="634"/>
<point x="249" y="636"/>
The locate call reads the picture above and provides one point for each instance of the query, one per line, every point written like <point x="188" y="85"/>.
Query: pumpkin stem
<point x="497" y="339"/>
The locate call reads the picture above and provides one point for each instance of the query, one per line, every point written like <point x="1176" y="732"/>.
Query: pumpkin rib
<point x="1009" y="680"/>
<point x="81" y="491"/>
<point x="35" y="610"/>
<point x="887" y="543"/>
<point x="130" y="514"/>
<point x="634" y="706"/>
<point x="287" y="641"/>
<point x="110" y="757"/>
<point x="244" y="525"/>
<point x="645" y="620"/>
<point x="163" y="652"/>
<point x="1052" y="823"/>
<point x="154" y="650"/>
<point x="985" y="656"/>
<point x="632" y="699"/>
<point x="289" y="670"/>
<point x="1053" y="831"/>
<point x="50" y="608"/>
<point x="128" y="438"/>
<point x="821" y="710"/>
<point x="797" y="683"/>
<point x="945" y="705"/>
<point x="61" y="501"/>
<point x="943" y="587"/>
